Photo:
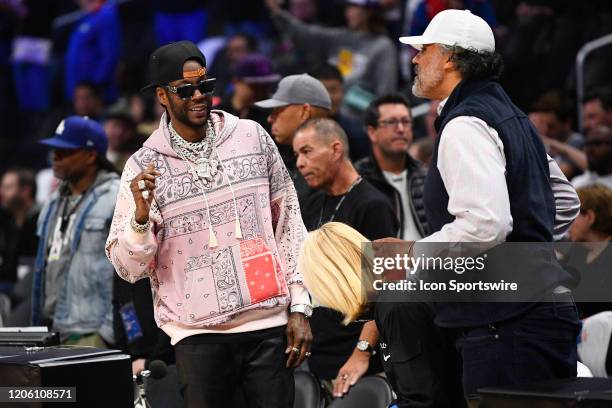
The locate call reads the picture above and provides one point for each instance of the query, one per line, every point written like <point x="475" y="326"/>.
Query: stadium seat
<point x="369" y="392"/>
<point x="307" y="390"/>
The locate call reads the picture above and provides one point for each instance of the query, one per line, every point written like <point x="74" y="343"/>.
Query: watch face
<point x="362" y="345"/>
<point x="308" y="310"/>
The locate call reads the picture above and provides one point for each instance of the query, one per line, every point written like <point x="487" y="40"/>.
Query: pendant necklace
<point x="199" y="153"/>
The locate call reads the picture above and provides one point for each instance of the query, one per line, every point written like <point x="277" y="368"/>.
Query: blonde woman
<point x="418" y="357"/>
<point x="592" y="256"/>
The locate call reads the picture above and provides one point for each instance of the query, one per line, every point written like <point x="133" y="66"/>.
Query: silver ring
<point x="308" y="354"/>
<point x="145" y="194"/>
<point x="295" y="350"/>
<point x="141" y="185"/>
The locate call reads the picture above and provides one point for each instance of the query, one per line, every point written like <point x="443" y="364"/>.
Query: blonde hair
<point x="336" y="270"/>
<point x="597" y="198"/>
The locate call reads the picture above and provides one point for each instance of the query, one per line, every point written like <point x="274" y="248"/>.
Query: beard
<point x="181" y="114"/>
<point x="423" y="84"/>
<point x="416" y="89"/>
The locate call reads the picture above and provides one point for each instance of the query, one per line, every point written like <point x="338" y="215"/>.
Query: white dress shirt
<point x="399" y="182"/>
<point x="472" y="164"/>
<point x="589" y="178"/>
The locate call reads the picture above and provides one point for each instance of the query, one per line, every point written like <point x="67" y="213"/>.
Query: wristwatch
<point x="304" y="309"/>
<point x="364" y="345"/>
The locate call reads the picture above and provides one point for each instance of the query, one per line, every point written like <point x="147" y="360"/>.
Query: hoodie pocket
<point x="261" y="270"/>
<point x="229" y="280"/>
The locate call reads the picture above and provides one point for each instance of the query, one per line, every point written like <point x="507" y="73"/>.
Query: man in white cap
<point x="489" y="183"/>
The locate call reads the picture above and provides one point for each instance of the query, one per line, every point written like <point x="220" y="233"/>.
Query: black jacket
<point x="369" y="169"/>
<point x="534" y="266"/>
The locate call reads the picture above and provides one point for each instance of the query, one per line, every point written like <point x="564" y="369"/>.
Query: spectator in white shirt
<point x="489" y="182"/>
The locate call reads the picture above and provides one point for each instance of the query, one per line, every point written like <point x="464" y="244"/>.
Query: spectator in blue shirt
<point x="178" y="20"/>
<point x="427" y="9"/>
<point x="93" y="49"/>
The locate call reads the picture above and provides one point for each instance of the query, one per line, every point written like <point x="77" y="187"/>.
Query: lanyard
<point x="63" y="225"/>
<point x="357" y="181"/>
<point x="67" y="212"/>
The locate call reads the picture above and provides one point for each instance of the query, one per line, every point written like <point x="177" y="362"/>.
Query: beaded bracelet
<point x="139" y="228"/>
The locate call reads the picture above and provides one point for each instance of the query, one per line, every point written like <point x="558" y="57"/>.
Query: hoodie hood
<point x="159" y="141"/>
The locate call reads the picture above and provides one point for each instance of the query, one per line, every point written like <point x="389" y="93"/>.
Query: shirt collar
<point x="441" y="105"/>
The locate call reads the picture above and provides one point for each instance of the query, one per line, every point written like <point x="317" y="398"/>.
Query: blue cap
<point x="76" y="132"/>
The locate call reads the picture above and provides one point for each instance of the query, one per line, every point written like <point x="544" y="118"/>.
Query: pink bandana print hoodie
<point x="240" y="285"/>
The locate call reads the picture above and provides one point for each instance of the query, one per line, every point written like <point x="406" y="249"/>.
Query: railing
<point x="580" y="60"/>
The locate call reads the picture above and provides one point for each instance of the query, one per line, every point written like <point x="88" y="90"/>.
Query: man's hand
<point x="391" y="248"/>
<point x="299" y="339"/>
<point x="143" y="205"/>
<point x="348" y="375"/>
<point x="554" y="147"/>
<point x="138" y="365"/>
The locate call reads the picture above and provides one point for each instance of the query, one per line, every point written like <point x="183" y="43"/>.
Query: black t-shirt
<point x="364" y="208"/>
<point x="16" y="244"/>
<point x="594" y="280"/>
<point x="392" y="321"/>
<point x="369" y="212"/>
<point x="419" y="358"/>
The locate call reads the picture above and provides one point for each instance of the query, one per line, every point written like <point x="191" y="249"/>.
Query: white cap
<point x="456" y="27"/>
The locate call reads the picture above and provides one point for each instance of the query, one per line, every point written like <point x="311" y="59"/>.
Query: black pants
<point x="211" y="366"/>
<point x="419" y="358"/>
<point x="535" y="346"/>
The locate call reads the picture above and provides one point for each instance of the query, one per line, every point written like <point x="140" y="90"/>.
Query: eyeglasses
<point x="186" y="91"/>
<point x="394" y="122"/>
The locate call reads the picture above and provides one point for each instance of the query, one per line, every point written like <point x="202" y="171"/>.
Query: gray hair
<point x="473" y="64"/>
<point x="328" y="130"/>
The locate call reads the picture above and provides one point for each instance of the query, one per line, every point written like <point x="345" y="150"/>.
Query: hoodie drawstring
<point x="237" y="229"/>
<point x="212" y="238"/>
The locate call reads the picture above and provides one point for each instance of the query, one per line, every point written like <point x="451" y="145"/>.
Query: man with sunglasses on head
<point x="209" y="213"/>
<point x="73" y="280"/>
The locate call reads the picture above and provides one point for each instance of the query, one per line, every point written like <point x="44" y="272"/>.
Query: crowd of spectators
<point x="50" y="50"/>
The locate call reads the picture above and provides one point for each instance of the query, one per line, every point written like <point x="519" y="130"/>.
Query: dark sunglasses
<point x="63" y="153"/>
<point x="186" y="91"/>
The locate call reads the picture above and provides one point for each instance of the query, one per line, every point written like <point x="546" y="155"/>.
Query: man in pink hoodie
<point x="209" y="213"/>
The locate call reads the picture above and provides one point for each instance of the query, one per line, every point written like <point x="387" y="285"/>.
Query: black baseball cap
<point x="166" y="63"/>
